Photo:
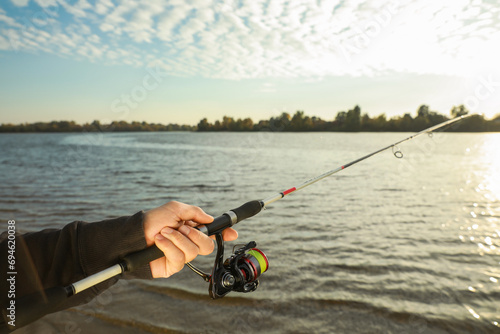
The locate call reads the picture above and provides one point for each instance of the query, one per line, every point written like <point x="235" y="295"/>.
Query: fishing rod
<point x="239" y="272"/>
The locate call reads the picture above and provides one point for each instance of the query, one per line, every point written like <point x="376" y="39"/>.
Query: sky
<point x="169" y="61"/>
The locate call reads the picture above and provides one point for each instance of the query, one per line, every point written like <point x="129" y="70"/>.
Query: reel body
<point x="239" y="272"/>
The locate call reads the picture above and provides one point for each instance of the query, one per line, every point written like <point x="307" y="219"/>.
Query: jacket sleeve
<point x="52" y="257"/>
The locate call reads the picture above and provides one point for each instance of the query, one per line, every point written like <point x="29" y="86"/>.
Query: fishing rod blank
<point x="396" y="153"/>
<point x="56" y="296"/>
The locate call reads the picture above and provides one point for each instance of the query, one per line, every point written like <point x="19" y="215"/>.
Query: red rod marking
<point x="286" y="192"/>
<point x="342" y="167"/>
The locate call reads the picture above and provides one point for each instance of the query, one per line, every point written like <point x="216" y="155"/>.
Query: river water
<point x="388" y="245"/>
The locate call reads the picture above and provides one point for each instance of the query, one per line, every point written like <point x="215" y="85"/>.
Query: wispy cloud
<point x="20" y="3"/>
<point x="261" y="39"/>
<point x="267" y="87"/>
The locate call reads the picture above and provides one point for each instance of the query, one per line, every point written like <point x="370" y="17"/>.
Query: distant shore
<point x="350" y="121"/>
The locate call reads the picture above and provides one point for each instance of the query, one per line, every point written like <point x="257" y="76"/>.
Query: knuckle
<point x="173" y="204"/>
<point x="177" y="237"/>
<point x="181" y="259"/>
<point x="163" y="244"/>
<point x="204" y="243"/>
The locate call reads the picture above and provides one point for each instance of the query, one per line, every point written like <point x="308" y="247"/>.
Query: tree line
<point x="95" y="126"/>
<point x="354" y="121"/>
<point x="345" y="121"/>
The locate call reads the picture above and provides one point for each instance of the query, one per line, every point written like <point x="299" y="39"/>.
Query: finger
<point x="158" y="267"/>
<point x="190" y="212"/>
<point x="204" y="243"/>
<point x="191" y="223"/>
<point x="229" y="234"/>
<point x="182" y="242"/>
<point x="174" y="258"/>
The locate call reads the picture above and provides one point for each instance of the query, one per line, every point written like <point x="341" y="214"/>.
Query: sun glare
<point x="491" y="161"/>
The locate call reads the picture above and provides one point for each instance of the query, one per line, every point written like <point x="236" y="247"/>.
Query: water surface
<point x="388" y="245"/>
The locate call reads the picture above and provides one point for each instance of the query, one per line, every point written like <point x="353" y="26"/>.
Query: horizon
<point x="413" y="115"/>
<point x="177" y="62"/>
<point x="256" y="121"/>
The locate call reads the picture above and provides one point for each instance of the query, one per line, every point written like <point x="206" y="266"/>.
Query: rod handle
<point x="218" y="225"/>
<point x="247" y="210"/>
<point x="233" y="216"/>
<point x="135" y="260"/>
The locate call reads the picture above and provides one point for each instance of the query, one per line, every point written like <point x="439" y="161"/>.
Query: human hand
<point x="170" y="227"/>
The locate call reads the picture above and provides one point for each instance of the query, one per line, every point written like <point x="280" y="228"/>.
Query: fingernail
<point x="159" y="237"/>
<point x="184" y="230"/>
<point x="166" y="231"/>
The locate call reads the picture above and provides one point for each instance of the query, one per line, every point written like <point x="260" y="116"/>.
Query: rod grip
<point x="242" y="212"/>
<point x="140" y="258"/>
<point x="247" y="210"/>
<point x="219" y="224"/>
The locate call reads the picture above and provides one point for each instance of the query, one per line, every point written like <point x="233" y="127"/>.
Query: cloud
<point x="46" y="3"/>
<point x="103" y="6"/>
<point x="172" y="19"/>
<point x="20" y="3"/>
<point x="141" y="27"/>
<point x="106" y="27"/>
<point x="263" y="38"/>
<point x="4" y="44"/>
<point x="8" y="20"/>
<point x="79" y="9"/>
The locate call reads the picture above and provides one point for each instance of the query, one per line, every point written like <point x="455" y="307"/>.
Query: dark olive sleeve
<point x="53" y="257"/>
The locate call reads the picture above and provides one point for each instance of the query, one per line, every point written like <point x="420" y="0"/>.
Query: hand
<point x="170" y="227"/>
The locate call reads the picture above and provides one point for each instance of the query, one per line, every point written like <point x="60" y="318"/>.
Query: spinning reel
<point x="239" y="272"/>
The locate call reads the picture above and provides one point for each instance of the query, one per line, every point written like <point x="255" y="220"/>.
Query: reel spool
<point x="252" y="264"/>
